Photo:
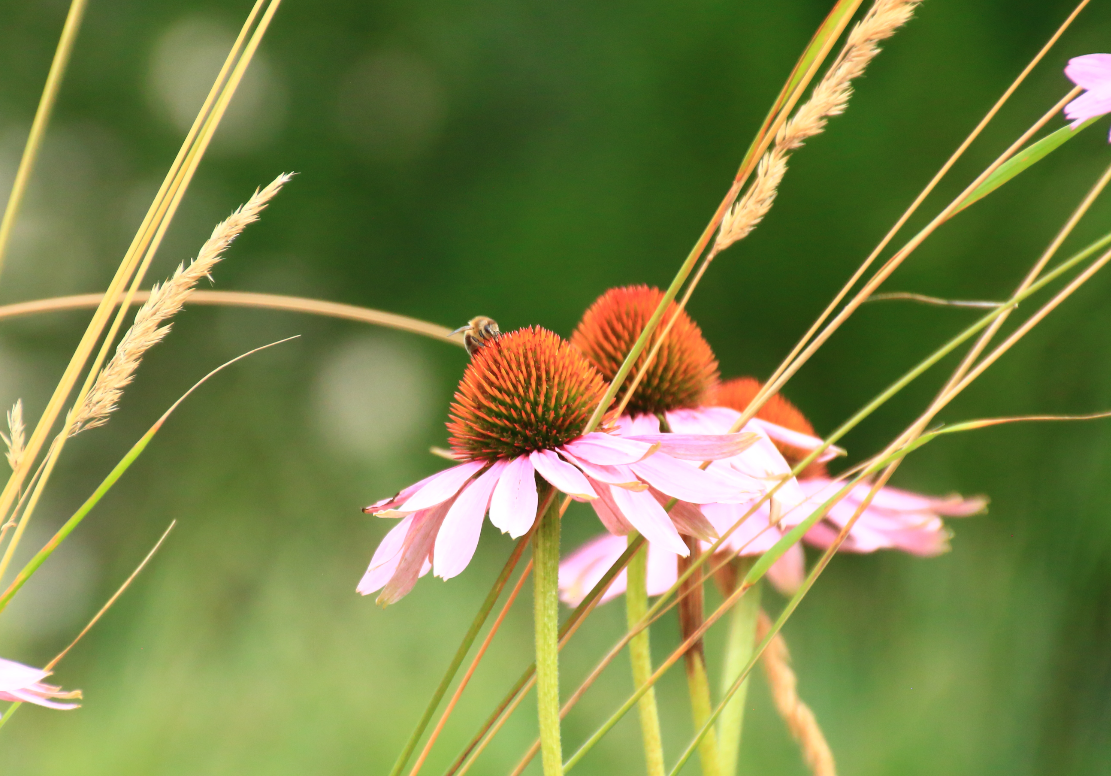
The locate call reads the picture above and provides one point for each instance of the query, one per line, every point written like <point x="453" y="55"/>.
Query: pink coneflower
<point x="1092" y="72"/>
<point x="23" y="684"/>
<point x="520" y="412"/>
<point x="679" y="386"/>
<point x="896" y="519"/>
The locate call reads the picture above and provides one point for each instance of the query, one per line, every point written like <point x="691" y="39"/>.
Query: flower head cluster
<point x="895" y="519"/>
<point x="23" y="684"/>
<point x="518" y="422"/>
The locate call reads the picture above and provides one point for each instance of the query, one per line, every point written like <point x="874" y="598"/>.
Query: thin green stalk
<point x="640" y="654"/>
<point x="38" y="126"/>
<point x="691" y="616"/>
<point x="460" y="655"/>
<point x="545" y="576"/>
<point x="701" y="707"/>
<point x="738" y="651"/>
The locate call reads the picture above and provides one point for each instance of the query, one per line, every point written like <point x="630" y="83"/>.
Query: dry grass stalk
<point x="16" y="436"/>
<point x="798" y="716"/>
<point x="164" y="302"/>
<point x="829" y="98"/>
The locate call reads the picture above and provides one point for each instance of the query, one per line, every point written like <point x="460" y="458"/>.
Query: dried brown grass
<point x="165" y="300"/>
<point x="829" y="98"/>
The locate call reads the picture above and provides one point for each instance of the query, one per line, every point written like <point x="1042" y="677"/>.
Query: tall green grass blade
<point x="113" y="477"/>
<point x="1022" y="161"/>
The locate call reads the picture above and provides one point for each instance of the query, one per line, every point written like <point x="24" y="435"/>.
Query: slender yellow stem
<point x="42" y="119"/>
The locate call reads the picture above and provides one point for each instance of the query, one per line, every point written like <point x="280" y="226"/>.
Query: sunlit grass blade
<point x="293" y="304"/>
<point x="96" y="617"/>
<point x="42" y="118"/>
<point x="1022" y="161"/>
<point x="118" y="471"/>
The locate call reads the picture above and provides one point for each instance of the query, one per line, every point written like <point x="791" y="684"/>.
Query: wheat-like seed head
<point x="829" y="98"/>
<point x="165" y="300"/>
<point x="15" y="437"/>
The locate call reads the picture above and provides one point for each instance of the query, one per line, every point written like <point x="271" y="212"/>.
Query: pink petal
<point x="608" y="511"/>
<point x="704" y="420"/>
<point x="649" y="518"/>
<point x="796" y="439"/>
<point x="561" y="474"/>
<point x="27" y="696"/>
<point x="621" y="476"/>
<point x="788" y="573"/>
<point x="438" y="488"/>
<point x="699" y="447"/>
<point x="608" y="450"/>
<point x="386" y="557"/>
<point x="414" y="555"/>
<point x="1090" y="71"/>
<point x="14" y="676"/>
<point x="687" y="518"/>
<point x="663" y="569"/>
<point x="393" y="501"/>
<point x="1089" y="105"/>
<point x="513" y="507"/>
<point x="458" y="537"/>
<point x="641" y="424"/>
<point x="585" y="567"/>
<point x="686" y="481"/>
<point x="752" y="536"/>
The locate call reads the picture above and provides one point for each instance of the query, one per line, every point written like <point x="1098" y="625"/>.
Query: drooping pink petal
<point x="562" y="475"/>
<point x="608" y="512"/>
<point x="413" y="558"/>
<point x="649" y="518"/>
<point x="23" y="684"/>
<point x="437" y="489"/>
<point x="1089" y="105"/>
<point x="458" y="537"/>
<point x="687" y="518"/>
<point x="753" y="534"/>
<point x="608" y="450"/>
<point x="386" y="557"/>
<point x="1090" y="71"/>
<point x="699" y="447"/>
<point x="789" y="571"/>
<point x="389" y="504"/>
<point x="513" y="506"/>
<point x="580" y="571"/>
<point x="684" y="480"/>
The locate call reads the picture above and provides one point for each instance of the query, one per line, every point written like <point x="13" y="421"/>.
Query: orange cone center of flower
<point x="684" y="371"/>
<point x="525" y="390"/>
<point x="739" y="392"/>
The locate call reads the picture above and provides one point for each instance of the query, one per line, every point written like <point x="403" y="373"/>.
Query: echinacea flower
<point x="895" y="519"/>
<point x="23" y="684"/>
<point x="520" y="412"/>
<point x="1093" y="73"/>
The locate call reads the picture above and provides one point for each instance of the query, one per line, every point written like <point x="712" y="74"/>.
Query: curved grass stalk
<point x="739" y="646"/>
<point x="118" y="471"/>
<point x="161" y="211"/>
<point x="43" y="112"/>
<point x="640" y="655"/>
<point x="96" y="617"/>
<point x="294" y="304"/>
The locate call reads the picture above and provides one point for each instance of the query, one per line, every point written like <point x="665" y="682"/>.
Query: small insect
<point x="477" y="332"/>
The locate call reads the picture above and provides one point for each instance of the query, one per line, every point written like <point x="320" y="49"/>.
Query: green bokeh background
<point x="516" y="159"/>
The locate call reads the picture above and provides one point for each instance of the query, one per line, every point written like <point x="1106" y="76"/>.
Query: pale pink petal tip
<point x="23" y="684"/>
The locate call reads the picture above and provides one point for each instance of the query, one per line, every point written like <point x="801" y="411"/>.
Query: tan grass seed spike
<point x="15" y="437"/>
<point x="799" y="718"/>
<point x="829" y="98"/>
<point x="165" y="300"/>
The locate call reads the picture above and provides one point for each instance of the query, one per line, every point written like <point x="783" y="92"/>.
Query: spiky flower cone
<point x="526" y="390"/>
<point x="683" y="372"/>
<point x="739" y="392"/>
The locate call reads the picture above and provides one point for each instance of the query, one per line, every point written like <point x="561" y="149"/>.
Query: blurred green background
<point x="516" y="159"/>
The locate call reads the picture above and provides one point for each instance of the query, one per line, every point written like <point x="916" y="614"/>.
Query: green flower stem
<point x="738" y="651"/>
<point x="640" y="653"/>
<point x="691" y="616"/>
<point x="545" y="575"/>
